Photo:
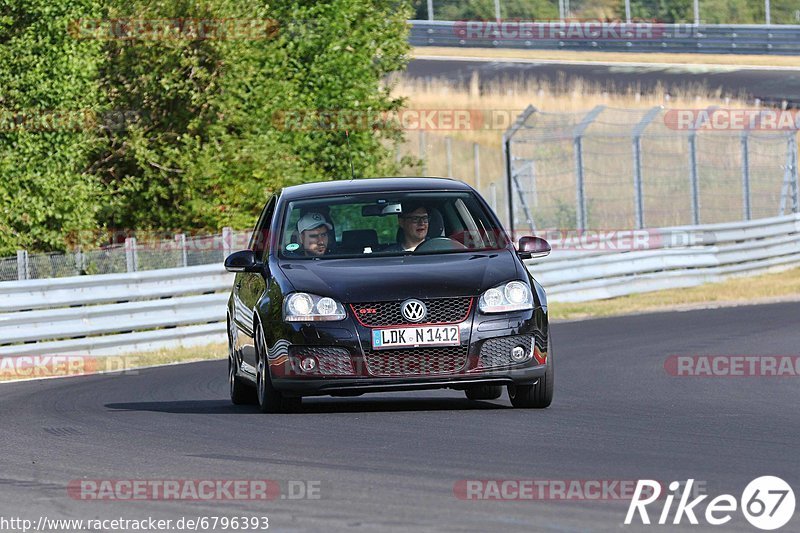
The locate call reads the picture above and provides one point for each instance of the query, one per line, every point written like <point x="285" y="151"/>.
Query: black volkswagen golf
<point x="385" y="284"/>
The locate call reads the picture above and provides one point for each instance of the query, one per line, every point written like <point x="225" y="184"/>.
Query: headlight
<point x="511" y="296"/>
<point x="304" y="307"/>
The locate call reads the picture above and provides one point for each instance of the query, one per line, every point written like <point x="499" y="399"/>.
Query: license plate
<point x="420" y="336"/>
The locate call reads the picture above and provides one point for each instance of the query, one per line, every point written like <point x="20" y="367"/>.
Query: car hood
<point x="409" y="276"/>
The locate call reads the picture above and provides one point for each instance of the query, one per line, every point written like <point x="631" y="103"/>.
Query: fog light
<point x="308" y="364"/>
<point x="518" y="354"/>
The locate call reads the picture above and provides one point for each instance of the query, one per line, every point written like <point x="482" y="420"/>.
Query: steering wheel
<point x="438" y="244"/>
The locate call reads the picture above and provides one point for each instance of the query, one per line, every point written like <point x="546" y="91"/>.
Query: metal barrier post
<point x="23" y="268"/>
<point x="131" y="257"/>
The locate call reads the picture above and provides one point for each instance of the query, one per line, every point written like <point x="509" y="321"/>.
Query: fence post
<point x="790" y="185"/>
<point x="78" y="261"/>
<point x="430" y="9"/>
<point x="508" y="162"/>
<point x="422" y="150"/>
<point x="227" y="242"/>
<point x="476" y="156"/>
<point x="23" y="268"/>
<point x="795" y="184"/>
<point x="581" y="213"/>
<point x="180" y="238"/>
<point x="693" y="178"/>
<point x="493" y="196"/>
<point x="638" y="188"/>
<point x="448" y="146"/>
<point x="131" y="256"/>
<point x="746" y="174"/>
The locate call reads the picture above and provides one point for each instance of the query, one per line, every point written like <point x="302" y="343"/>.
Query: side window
<point x="259" y="242"/>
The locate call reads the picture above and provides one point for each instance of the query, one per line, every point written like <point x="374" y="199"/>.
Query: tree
<point x="49" y="104"/>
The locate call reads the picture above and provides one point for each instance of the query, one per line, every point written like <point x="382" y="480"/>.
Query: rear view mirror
<point x="532" y="247"/>
<point x="381" y="210"/>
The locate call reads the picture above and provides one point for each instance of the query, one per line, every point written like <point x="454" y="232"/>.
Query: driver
<point x="314" y="234"/>
<point x="414" y="222"/>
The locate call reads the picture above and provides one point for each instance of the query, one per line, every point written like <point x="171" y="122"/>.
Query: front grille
<point x="417" y="362"/>
<point x="331" y="361"/>
<point x="497" y="352"/>
<point x="440" y="311"/>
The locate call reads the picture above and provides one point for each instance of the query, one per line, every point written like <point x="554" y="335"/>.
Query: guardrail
<point x="114" y="313"/>
<point x="123" y="313"/>
<point x="609" y="36"/>
<point x="715" y="252"/>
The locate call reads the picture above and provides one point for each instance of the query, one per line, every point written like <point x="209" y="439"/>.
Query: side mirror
<point x="531" y="247"/>
<point x="243" y="261"/>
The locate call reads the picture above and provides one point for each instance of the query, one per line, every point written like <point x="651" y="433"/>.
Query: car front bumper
<point x="348" y="365"/>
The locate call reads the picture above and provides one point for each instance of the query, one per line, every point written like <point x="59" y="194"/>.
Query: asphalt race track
<point x="391" y="461"/>
<point x="771" y="86"/>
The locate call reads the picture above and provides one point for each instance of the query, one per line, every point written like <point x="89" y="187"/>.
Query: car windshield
<point x="389" y="224"/>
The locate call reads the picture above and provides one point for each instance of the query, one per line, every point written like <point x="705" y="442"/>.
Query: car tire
<point x="540" y="394"/>
<point x="484" y="392"/>
<point x="270" y="400"/>
<point x="240" y="392"/>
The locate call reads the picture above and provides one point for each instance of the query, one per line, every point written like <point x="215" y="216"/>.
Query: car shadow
<point x="314" y="406"/>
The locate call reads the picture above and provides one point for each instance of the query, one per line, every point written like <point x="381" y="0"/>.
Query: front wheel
<point x="270" y="400"/>
<point x="540" y="394"/>
<point x="240" y="392"/>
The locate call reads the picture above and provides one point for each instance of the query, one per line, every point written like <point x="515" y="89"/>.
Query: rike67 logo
<point x="767" y="503"/>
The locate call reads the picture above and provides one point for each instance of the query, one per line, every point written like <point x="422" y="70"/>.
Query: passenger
<point x="314" y="233"/>
<point x="414" y="223"/>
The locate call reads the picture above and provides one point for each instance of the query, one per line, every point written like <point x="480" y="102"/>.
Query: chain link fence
<point x="136" y="254"/>
<point x="623" y="168"/>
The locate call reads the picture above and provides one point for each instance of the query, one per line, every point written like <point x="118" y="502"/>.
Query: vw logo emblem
<point x="413" y="310"/>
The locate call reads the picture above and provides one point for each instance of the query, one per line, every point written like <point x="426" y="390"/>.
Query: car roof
<point x="367" y="185"/>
